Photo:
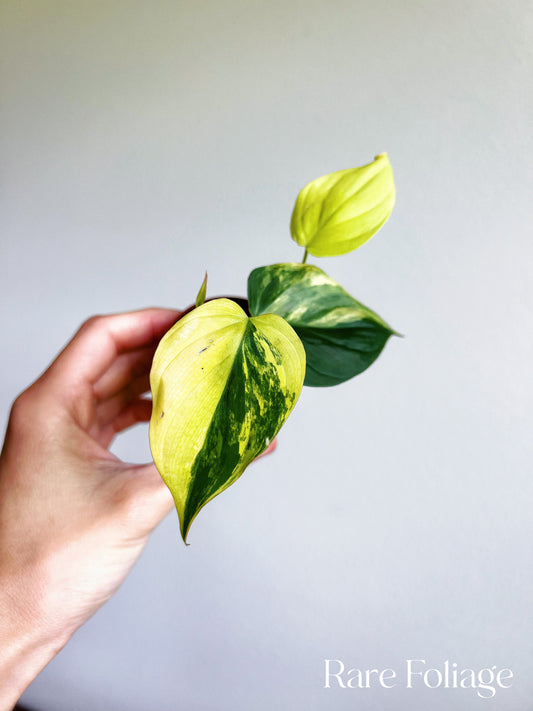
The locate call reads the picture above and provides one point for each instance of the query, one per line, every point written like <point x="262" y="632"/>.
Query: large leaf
<point x="222" y="385"/>
<point x="339" y="212"/>
<point x="341" y="337"/>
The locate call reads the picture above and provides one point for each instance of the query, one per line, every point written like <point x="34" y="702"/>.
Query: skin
<point x="73" y="517"/>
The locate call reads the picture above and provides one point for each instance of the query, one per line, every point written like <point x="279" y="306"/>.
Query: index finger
<point x="102" y="338"/>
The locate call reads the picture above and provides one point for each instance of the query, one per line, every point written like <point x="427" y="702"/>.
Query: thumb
<point x="149" y="499"/>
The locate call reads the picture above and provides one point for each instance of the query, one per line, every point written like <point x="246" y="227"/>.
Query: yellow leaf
<point x="339" y="212"/>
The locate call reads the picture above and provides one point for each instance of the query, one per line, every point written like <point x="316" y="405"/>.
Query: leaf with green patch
<point x="339" y="212"/>
<point x="222" y="384"/>
<point x="341" y="337"/>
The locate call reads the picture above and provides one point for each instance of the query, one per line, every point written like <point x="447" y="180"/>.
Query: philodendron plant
<point x="224" y="382"/>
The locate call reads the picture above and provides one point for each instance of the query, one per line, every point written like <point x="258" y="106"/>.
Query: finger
<point x="139" y="410"/>
<point x="101" y="339"/>
<point x="107" y="410"/>
<point x="271" y="447"/>
<point x="126" y="368"/>
<point x="150" y="498"/>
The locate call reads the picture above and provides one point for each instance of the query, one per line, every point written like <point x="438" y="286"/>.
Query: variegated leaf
<point x="339" y="212"/>
<point x="341" y="337"/>
<point x="222" y="385"/>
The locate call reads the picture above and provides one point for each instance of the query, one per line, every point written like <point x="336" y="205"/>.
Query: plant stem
<point x="304" y="260"/>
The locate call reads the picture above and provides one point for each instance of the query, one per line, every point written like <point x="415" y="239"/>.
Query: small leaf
<point x="201" y="294"/>
<point x="339" y="212"/>
<point x="222" y="384"/>
<point x="341" y="337"/>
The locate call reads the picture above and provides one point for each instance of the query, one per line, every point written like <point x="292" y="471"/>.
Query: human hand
<point x="73" y="517"/>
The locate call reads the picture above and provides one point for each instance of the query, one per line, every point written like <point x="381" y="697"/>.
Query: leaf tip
<point x="200" y="298"/>
<point x="184" y="533"/>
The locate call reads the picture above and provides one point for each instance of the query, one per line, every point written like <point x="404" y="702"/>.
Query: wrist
<point x="27" y="644"/>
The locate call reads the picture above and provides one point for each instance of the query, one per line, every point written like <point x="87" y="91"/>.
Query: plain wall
<point x="143" y="143"/>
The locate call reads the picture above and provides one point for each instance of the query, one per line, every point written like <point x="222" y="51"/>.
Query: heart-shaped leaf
<point x="341" y="337"/>
<point x="222" y="384"/>
<point x="339" y="212"/>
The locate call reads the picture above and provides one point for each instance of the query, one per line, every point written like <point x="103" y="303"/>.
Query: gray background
<point x="145" y="142"/>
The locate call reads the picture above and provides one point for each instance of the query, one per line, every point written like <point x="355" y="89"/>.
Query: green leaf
<point x="341" y="337"/>
<point x="201" y="294"/>
<point x="222" y="384"/>
<point x="339" y="212"/>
